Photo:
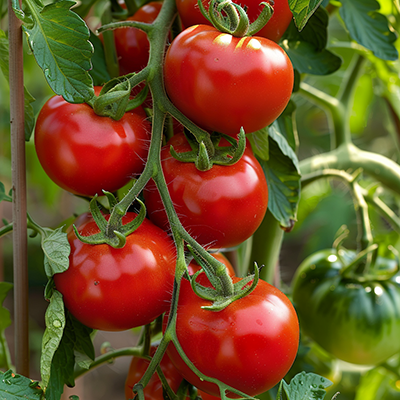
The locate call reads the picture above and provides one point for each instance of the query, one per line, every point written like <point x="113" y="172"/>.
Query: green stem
<point x="266" y="246"/>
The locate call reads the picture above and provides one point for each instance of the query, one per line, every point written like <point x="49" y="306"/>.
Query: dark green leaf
<point x="59" y="40"/>
<point x="55" y="323"/>
<point x="5" y="322"/>
<point x="286" y="125"/>
<point x="29" y="113"/>
<point x="84" y="350"/>
<point x="307" y="60"/>
<point x="306" y="386"/>
<point x="283" y="177"/>
<point x="99" y="72"/>
<point x="369" y="28"/>
<point x="315" y="32"/>
<point x="260" y="143"/>
<point x="15" y="387"/>
<point x="3" y="195"/>
<point x="306" y="49"/>
<point x="302" y="10"/>
<point x="56" y="251"/>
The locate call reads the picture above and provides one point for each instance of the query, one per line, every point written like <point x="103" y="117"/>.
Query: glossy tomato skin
<point x="358" y="322"/>
<point x="154" y="389"/>
<point x="223" y="83"/>
<point x="250" y="345"/>
<point x="190" y="14"/>
<point x="131" y="44"/>
<point x="84" y="153"/>
<point x="117" y="289"/>
<point x="220" y="207"/>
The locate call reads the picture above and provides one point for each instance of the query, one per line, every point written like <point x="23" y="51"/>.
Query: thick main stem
<point x="20" y="240"/>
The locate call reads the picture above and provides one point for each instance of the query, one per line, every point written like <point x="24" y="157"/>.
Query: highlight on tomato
<point x="115" y="289"/>
<point x="221" y="207"/>
<point x="256" y="354"/>
<point x="85" y="153"/>
<point x="224" y="83"/>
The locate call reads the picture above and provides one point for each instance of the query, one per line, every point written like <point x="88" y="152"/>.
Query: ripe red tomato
<point x="250" y="345"/>
<point x="193" y="266"/>
<point x="84" y="153"/>
<point x="131" y="44"/>
<point x="190" y="14"/>
<point x="117" y="289"/>
<point x="223" y="83"/>
<point x="154" y="389"/>
<point x="221" y="207"/>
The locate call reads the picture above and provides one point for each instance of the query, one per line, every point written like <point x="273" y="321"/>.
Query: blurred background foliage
<point x="324" y="206"/>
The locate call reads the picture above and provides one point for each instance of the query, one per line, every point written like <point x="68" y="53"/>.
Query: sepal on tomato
<point x="112" y="232"/>
<point x="223" y="155"/>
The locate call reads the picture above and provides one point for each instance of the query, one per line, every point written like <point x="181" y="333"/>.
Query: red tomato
<point x="193" y="266"/>
<point x="221" y="207"/>
<point x="190" y="14"/>
<point x="131" y="44"/>
<point x="117" y="289"/>
<point x="223" y="83"/>
<point x="84" y="153"/>
<point x="250" y="345"/>
<point x="153" y="390"/>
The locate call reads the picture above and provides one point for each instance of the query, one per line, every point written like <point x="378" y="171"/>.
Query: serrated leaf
<point x="3" y="195"/>
<point x="283" y="178"/>
<point x="306" y="59"/>
<point x="83" y="349"/>
<point x="302" y="11"/>
<point x="369" y="28"/>
<point x="260" y="143"/>
<point x="5" y="322"/>
<point x="15" y="387"/>
<point x="286" y="125"/>
<point x="29" y="116"/>
<point x="56" y="251"/>
<point x="55" y="323"/>
<point x="59" y="40"/>
<point x="308" y="386"/>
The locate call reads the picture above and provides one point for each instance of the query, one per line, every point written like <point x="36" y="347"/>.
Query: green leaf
<point x="306" y="386"/>
<point x="286" y="124"/>
<point x="83" y="350"/>
<point x="307" y="49"/>
<point x="5" y="322"/>
<point x="99" y="72"/>
<point x="307" y="60"/>
<point x="260" y="143"/>
<point x="302" y="11"/>
<point x="29" y="116"/>
<point x="56" y="251"/>
<point x="55" y="323"/>
<point x="369" y="28"/>
<point x="283" y="178"/>
<point x="59" y="40"/>
<point x="3" y="195"/>
<point x="15" y="387"/>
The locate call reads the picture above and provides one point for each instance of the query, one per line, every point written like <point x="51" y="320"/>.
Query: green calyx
<point x="223" y="155"/>
<point x="231" y="18"/>
<point x="112" y="231"/>
<point x="220" y="300"/>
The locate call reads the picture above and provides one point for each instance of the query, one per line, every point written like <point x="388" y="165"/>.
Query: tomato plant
<point x="223" y="83"/>
<point x="90" y="153"/>
<point x="131" y="44"/>
<point x="259" y="350"/>
<point x="190" y="14"/>
<point x="220" y="207"/>
<point x="103" y="286"/>
<point x="356" y="320"/>
<point x="154" y="389"/>
<point x="193" y="266"/>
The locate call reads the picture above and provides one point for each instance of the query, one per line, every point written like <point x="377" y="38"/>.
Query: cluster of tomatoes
<point x="251" y="344"/>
